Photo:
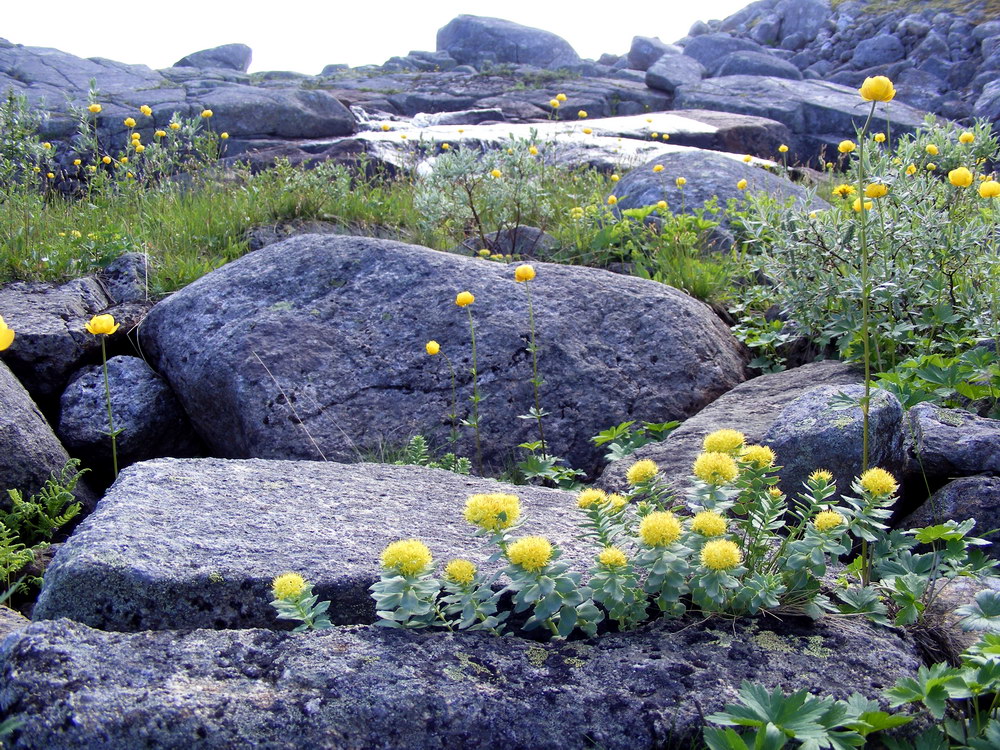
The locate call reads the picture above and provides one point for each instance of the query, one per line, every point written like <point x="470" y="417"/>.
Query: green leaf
<point x="982" y="614"/>
<point x="723" y="739"/>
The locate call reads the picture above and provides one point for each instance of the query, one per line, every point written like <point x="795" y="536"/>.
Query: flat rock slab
<point x="363" y="687"/>
<point x="190" y="543"/>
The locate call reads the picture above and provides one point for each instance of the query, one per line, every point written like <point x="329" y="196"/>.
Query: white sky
<point x="305" y="35"/>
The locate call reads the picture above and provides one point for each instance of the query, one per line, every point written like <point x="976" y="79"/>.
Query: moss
<point x="281" y="307"/>
<point x="537" y="655"/>
<point x="816" y="647"/>
<point x="990" y="9"/>
<point x="950" y="418"/>
<point x="573" y="661"/>
<point x="472" y="671"/>
<point x="216" y="577"/>
<point x="773" y="642"/>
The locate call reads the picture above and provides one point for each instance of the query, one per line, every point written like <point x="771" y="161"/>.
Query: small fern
<point x="35" y="520"/>
<point x="416" y="453"/>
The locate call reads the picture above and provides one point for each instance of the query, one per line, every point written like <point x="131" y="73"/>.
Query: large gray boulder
<point x="316" y="345"/>
<point x="758" y="64"/>
<point x="671" y="71"/>
<point x="803" y="17"/>
<point x="229" y="56"/>
<point x="879" y="50"/>
<point x="365" y="687"/>
<point x="711" y="49"/>
<point x="195" y="543"/>
<point x="975" y="497"/>
<point x="647" y="50"/>
<point x="474" y="40"/>
<point x="953" y="443"/>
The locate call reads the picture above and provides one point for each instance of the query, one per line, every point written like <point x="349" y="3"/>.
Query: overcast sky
<point x="305" y="35"/>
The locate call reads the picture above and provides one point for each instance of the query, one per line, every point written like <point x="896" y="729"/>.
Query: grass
<point x="990" y="8"/>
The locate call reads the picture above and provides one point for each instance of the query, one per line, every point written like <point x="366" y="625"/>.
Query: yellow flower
<point x="615" y="178"/>
<point x="759" y="455"/>
<point x="6" y="335"/>
<point x="931" y="166"/>
<point x="464" y="298"/>
<point x="91" y="168"/>
<point x="654" y="135"/>
<point x="612" y="200"/>
<point x="94" y="108"/>
<point x="493" y="512"/>
<point x="641" y="471"/>
<point x="445" y="146"/>
<point x="723" y="441"/>
<point x="46" y="145"/>
<point x="288" y="586"/>
<point x="560" y="97"/>
<point x="828" y="519"/>
<point x="139" y="148"/>
<point x="407" y="556"/>
<point x="524" y="272"/>
<point x="876" y="190"/>
<point x="432" y="347"/>
<point x="136" y="136"/>
<point x="106" y="159"/>
<point x="989" y="189"/>
<point x="530" y="552"/>
<point x="846" y="147"/>
<point x="877" y="89"/>
<point x="403" y="136"/>
<point x="532" y="150"/>
<point x="741" y="185"/>
<point x="385" y="126"/>
<point x="662" y="205"/>
<point x="496" y="174"/>
<point x="775" y="492"/>
<point x="554" y="103"/>
<point x="36" y="169"/>
<point x="783" y="148"/>
<point x="879" y="137"/>
<point x="879" y="482"/>
<point x="75" y="233"/>
<point x="721" y="554"/>
<point x="612" y="557"/>
<point x="931" y="149"/>
<point x="460" y="571"/>
<point x="681" y="182"/>
<point x="206" y="113"/>
<point x="146" y="110"/>
<point x="748" y="158"/>
<point x="582" y="114"/>
<point x="129" y="122"/>
<point x="659" y="529"/>
<point x="484" y="253"/>
<point x="966" y="137"/>
<point x="960" y="177"/>
<point x="911" y="169"/>
<point x="124" y="160"/>
<point x="102" y="324"/>
<point x="616" y="503"/>
<point x="821" y="475"/>
<point x="715" y="468"/>
<point x="590" y="497"/>
<point x="175" y="126"/>
<point x="77" y="162"/>
<point x="160" y="134"/>
<point x="658" y="168"/>
<point x="709" y="523"/>
<point x="857" y="205"/>
<point x="665" y="136"/>
<point x="224" y="135"/>
<point x="587" y="131"/>
<point x="50" y="175"/>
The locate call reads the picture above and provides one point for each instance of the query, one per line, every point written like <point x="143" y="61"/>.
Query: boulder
<point x="126" y="278"/>
<point x="671" y="71"/>
<point x="758" y="64"/>
<point x="710" y="49"/>
<point x="735" y="134"/>
<point x="953" y="443"/>
<point x="987" y="105"/>
<point x="805" y="17"/>
<point x="229" y="56"/>
<point x="195" y="543"/>
<point x="752" y="408"/>
<point x="526" y="241"/>
<point x="251" y="112"/>
<point x="11" y="621"/>
<point x="370" y="687"/>
<point x="975" y="497"/>
<point x="647" y="50"/>
<point x="289" y="351"/>
<point x="474" y="40"/>
<point x="879" y="50"/>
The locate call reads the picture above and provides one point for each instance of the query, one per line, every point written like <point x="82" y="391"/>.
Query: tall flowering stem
<point x="865" y="290"/>
<point x="104" y="326"/>
<point x="536" y="381"/>
<point x="464" y="299"/>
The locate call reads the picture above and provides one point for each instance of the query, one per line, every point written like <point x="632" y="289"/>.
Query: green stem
<point x="107" y="398"/>
<point x="535" y="383"/>
<point x="865" y="291"/>
<point x="453" y="438"/>
<point x="475" y="394"/>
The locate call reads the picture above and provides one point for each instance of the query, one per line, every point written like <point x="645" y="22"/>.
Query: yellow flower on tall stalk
<point x="876" y="190"/>
<point x="145" y="109"/>
<point x="877" y="89"/>
<point x="432" y="347"/>
<point x="878" y="481"/>
<point x="960" y="177"/>
<point x="6" y="335"/>
<point x="104" y="326"/>
<point x="741" y="185"/>
<point x="879" y="138"/>
<point x="657" y="167"/>
<point x="554" y="103"/>
<point x="206" y="113"/>
<point x="662" y="205"/>
<point x="94" y="108"/>
<point x="989" y="189"/>
<point x="783" y="149"/>
<point x="846" y="147"/>
<point x="680" y="182"/>
<point x="560" y="97"/>
<point x="612" y="200"/>
<point x="524" y="272"/>
<point x="129" y="122"/>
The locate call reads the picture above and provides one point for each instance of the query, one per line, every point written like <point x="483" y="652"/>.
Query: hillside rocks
<point x="475" y="40"/>
<point x="368" y="687"/>
<point x="229" y="56"/>
<point x="288" y="351"/>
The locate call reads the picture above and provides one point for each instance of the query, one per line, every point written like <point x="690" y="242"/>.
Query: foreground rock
<point x="364" y="687"/>
<point x="196" y="543"/>
<point x="292" y="351"/>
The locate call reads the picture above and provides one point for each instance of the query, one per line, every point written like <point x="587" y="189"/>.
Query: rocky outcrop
<point x="228" y="56"/>
<point x="476" y="40"/>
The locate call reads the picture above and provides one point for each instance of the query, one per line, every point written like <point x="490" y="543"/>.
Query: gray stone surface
<point x="751" y="407"/>
<point x="805" y="17"/>
<point x="647" y="50"/>
<point x="953" y="443"/>
<point x="879" y="50"/>
<point x="231" y="56"/>
<point x="189" y="543"/>
<point x="364" y="687"/>
<point x="758" y="64"/>
<point x="11" y="621"/>
<point x="341" y="324"/>
<point x="711" y="49"/>
<point x="126" y="278"/>
<point x="975" y="497"/>
<point x="671" y="71"/>
<point x="474" y="40"/>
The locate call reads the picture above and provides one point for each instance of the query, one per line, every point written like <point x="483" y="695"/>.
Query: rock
<point x="341" y="323"/>
<point x="251" y="112"/>
<point x="370" y="687"/>
<point x="474" y="40"/>
<point x="126" y="278"/>
<point x="918" y="88"/>
<point x="766" y="31"/>
<point x="758" y="64"/>
<point x="647" y="50"/>
<point x="735" y="134"/>
<point x="671" y="71"/>
<point x="710" y="49"/>
<point x="975" y="497"/>
<point x="698" y="28"/>
<point x="708" y="175"/>
<point x="805" y="17"/>
<point x="229" y="56"/>
<point x="952" y="443"/>
<point x="987" y="105"/>
<point x="528" y="241"/>
<point x="11" y="621"/>
<point x="751" y="407"/>
<point x="144" y="561"/>
<point x="884" y="48"/>
<point x="151" y="421"/>
<point x="52" y="341"/>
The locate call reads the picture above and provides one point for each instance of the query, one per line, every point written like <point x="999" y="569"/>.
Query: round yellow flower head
<point x="146" y="110"/>
<point x="590" y="497"/>
<point x="612" y="557"/>
<point x="102" y="324"/>
<point x="36" y="169"/>
<point x="460" y="571"/>
<point x="533" y="150"/>
<point x="715" y="468"/>
<point x="662" y="205"/>
<point x="224" y="135"/>
<point x="6" y="335"/>
<point x="175" y="126"/>
<point x="821" y="475"/>
<point x="665" y="136"/>
<point x="616" y="503"/>
<point x="658" y="168"/>
<point x="50" y="175"/>
<point x="385" y="127"/>
<point x="464" y="298"/>
<point x="879" y="482"/>
<point x="681" y="182"/>
<point x="139" y="148"/>
<point x="407" y="557"/>
<point x="846" y="147"/>
<point x="911" y="169"/>
<point x="741" y="185"/>
<point x="554" y="103"/>
<point x="94" y="108"/>
<point x="524" y="272"/>
<point x="484" y="253"/>
<point x="783" y="148"/>
<point x="288" y="586"/>
<point x="493" y="512"/>
<point x="136" y="136"/>
<point x="879" y="137"/>
<point x="748" y="158"/>
<point x="641" y="471"/>
<point x="129" y="122"/>
<point x="47" y="145"/>
<point x="445" y="146"/>
<point x="654" y="135"/>
<point x="124" y="160"/>
<point x="612" y="200"/>
<point x="582" y="114"/>
<point x="709" y="523"/>
<point x="77" y="162"/>
<point x="989" y="189"/>
<point x="960" y="177"/>
<point x="587" y="131"/>
<point x="966" y="137"/>
<point x="931" y="166"/>
<point x="496" y="174"/>
<point x="828" y="519"/>
<point x="721" y="554"/>
<point x="560" y="97"/>
<point x="206" y="113"/>
<point x="876" y="190"/>
<point x="530" y="552"/>
<point x="723" y="441"/>
<point x="857" y="205"/>
<point x="877" y="89"/>
<point x="615" y="178"/>
<point x="432" y="347"/>
<point x="759" y="455"/>
<point x="931" y="149"/>
<point x="659" y="529"/>
<point x="106" y="159"/>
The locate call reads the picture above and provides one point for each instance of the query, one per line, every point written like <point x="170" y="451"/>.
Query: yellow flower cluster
<point x="288" y="586"/>
<point x="828" y="519"/>
<point x="709" y="523"/>
<point x="723" y="441"/>
<point x="612" y="557"/>
<point x="721" y="554"/>
<point x="879" y="482"/>
<point x="760" y="456"/>
<point x="591" y="497"/>
<point x="715" y="468"/>
<point x="460" y="571"/>
<point x="641" y="471"/>
<point x="659" y="529"/>
<point x="407" y="557"/>
<point x="493" y="512"/>
<point x="530" y="552"/>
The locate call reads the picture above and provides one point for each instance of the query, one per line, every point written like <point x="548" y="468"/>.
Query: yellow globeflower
<point x="641" y="471"/>
<point x="828" y="519"/>
<point x="879" y="482"/>
<point x="857" y="205"/>
<point x="432" y="347"/>
<point x="530" y="552"/>
<point x="95" y="108"/>
<point x="590" y="497"/>
<point x="77" y="162"/>
<point x="709" y="523"/>
<point x="911" y="169"/>
<point x="931" y="166"/>
<point x="533" y="150"/>
<point x="759" y="455"/>
<point x="615" y="178"/>
<point x="783" y="148"/>
<point x="966" y="137"/>
<point x="741" y="185"/>
<point x="407" y="557"/>
<point x="876" y="190"/>
<point x="50" y="175"/>
<point x="658" y="168"/>
<point x="129" y="122"/>
<point x="6" y="335"/>
<point x="654" y="135"/>
<point x="877" y="89"/>
<point x="715" y="468"/>
<point x="721" y="554"/>
<point x="748" y="158"/>
<point x="464" y="298"/>
<point x="524" y="272"/>
<point x="582" y="114"/>
<point x="139" y="148"/>
<point x="662" y="205"/>
<point x="659" y="529"/>
<point x="460" y="571"/>
<point x="175" y="126"/>
<point x="288" y="586"/>
<point x="385" y="127"/>
<point x="681" y="182"/>
<point x="102" y="324"/>
<point x="146" y="110"/>
<point x="554" y="103"/>
<point x="124" y="160"/>
<point x="612" y="557"/>
<point x="931" y="149"/>
<point x="665" y="136"/>
<point x="224" y="136"/>
<point x="560" y="97"/>
<point x="47" y="145"/>
<point x="723" y="441"/>
<point x="587" y="131"/>
<point x="493" y="512"/>
<point x="989" y="189"/>
<point x="136" y="136"/>
<point x="206" y="113"/>
<point x="960" y="177"/>
<point x="106" y="159"/>
<point x="846" y="147"/>
<point x="879" y="137"/>
<point x="612" y="200"/>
